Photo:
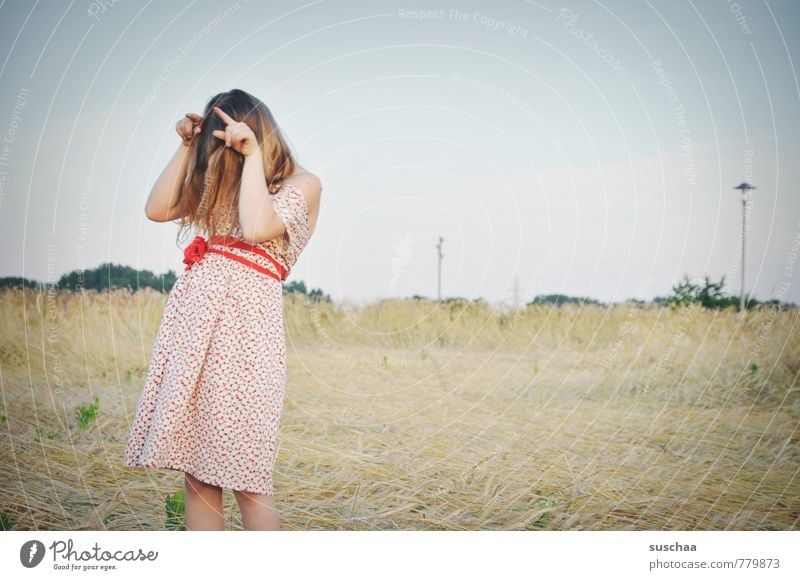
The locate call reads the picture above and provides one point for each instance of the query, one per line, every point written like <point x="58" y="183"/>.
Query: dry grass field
<point x="415" y="415"/>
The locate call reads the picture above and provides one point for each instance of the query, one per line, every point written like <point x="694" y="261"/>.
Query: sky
<point x="582" y="148"/>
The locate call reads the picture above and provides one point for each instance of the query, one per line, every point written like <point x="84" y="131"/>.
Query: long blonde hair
<point x="209" y="195"/>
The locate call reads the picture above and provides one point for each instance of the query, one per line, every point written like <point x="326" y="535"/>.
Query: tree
<point x="109" y="275"/>
<point x="17" y="282"/>
<point x="299" y="287"/>
<point x="709" y="295"/>
<point x="559" y="299"/>
<point x="684" y="292"/>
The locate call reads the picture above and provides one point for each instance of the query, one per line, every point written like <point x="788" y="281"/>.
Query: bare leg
<point x="203" y="505"/>
<point x="258" y="511"/>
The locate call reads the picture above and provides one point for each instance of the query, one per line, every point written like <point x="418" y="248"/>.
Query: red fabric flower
<point x="194" y="251"/>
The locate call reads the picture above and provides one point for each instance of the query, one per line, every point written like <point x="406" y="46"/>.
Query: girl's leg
<point x="203" y="505"/>
<point x="258" y="511"/>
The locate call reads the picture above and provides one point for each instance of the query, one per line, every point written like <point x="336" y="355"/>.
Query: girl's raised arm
<point x="162" y="204"/>
<point x="257" y="216"/>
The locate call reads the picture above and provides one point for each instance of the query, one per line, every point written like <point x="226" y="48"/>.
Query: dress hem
<point x="184" y="469"/>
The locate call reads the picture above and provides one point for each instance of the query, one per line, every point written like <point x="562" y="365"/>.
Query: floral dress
<point x="213" y="395"/>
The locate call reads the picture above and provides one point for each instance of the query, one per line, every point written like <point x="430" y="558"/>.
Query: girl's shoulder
<point x="306" y="181"/>
<point x="307" y="184"/>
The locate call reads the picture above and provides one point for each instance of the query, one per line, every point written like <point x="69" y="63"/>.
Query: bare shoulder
<point x="310" y="186"/>
<point x="307" y="182"/>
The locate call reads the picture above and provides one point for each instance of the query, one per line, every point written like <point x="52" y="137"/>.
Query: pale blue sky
<point x="539" y="139"/>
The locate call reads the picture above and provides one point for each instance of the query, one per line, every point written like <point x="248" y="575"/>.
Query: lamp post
<point x="744" y="187"/>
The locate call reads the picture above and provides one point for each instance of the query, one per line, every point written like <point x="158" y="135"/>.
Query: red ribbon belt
<point x="195" y="251"/>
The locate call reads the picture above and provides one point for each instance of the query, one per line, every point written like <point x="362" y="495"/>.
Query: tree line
<point x="707" y="294"/>
<point x="109" y="276"/>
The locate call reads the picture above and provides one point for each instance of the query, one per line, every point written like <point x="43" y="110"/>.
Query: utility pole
<point x="439" y="287"/>
<point x="744" y="187"/>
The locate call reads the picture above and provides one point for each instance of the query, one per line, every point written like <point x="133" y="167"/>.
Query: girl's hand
<point x="188" y="127"/>
<point x="237" y="135"/>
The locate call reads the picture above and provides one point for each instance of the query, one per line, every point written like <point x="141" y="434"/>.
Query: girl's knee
<point x="195" y="485"/>
<point x="242" y="495"/>
<point x="251" y="497"/>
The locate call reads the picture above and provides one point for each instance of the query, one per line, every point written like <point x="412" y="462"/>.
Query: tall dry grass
<point x="409" y="414"/>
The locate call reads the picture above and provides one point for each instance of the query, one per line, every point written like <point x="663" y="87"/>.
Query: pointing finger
<point x="224" y="116"/>
<point x="218" y="134"/>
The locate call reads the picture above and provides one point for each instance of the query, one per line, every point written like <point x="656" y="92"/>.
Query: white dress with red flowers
<point x="213" y="395"/>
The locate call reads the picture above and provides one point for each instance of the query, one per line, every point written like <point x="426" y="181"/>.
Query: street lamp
<point x="744" y="187"/>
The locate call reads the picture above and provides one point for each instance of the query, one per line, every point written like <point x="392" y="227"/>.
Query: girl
<point x="214" y="391"/>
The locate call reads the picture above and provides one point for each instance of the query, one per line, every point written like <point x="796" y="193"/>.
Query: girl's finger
<point x="224" y="116"/>
<point x="219" y="134"/>
<point x="194" y="116"/>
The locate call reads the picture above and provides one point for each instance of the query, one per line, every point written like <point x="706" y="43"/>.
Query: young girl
<point x="214" y="391"/>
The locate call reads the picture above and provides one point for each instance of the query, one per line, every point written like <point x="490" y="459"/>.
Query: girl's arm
<point x="257" y="217"/>
<point x="163" y="201"/>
